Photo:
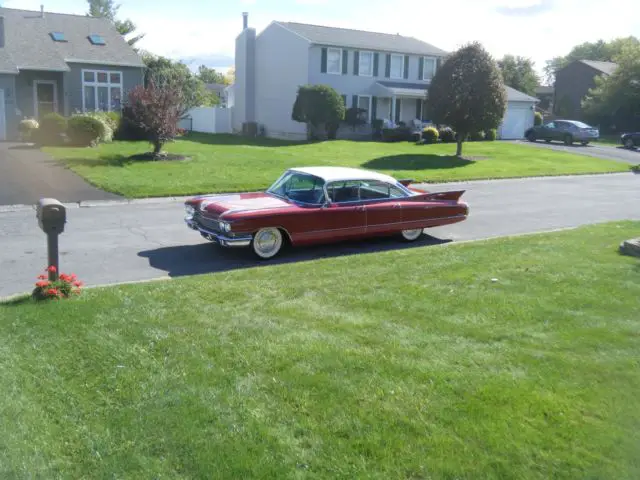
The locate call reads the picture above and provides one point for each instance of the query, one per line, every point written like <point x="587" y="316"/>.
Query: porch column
<point x="393" y="108"/>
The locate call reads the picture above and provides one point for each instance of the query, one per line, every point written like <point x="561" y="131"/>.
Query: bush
<point x="85" y="130"/>
<point x="109" y="122"/>
<point x="447" y="135"/>
<point x="635" y="168"/>
<point x="27" y="127"/>
<point x="399" y="134"/>
<point x="491" y="135"/>
<point x="376" y="127"/>
<point x="128" y="129"/>
<point x="476" y="136"/>
<point x="51" y="130"/>
<point x="430" y="135"/>
<point x="319" y="106"/>
<point x="537" y="119"/>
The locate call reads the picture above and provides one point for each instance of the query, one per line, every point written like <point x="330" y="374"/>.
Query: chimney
<point x="1" y="31"/>
<point x="41" y="11"/>
<point x="245" y="20"/>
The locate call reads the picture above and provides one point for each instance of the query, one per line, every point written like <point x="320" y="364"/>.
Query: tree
<point x="519" y="73"/>
<point x="468" y="93"/>
<point x="209" y="75"/>
<point x="163" y="72"/>
<point x="108" y="9"/>
<point x="230" y="76"/>
<point x="157" y="111"/>
<point x="599" y="50"/>
<point x="615" y="100"/>
<point x="321" y="108"/>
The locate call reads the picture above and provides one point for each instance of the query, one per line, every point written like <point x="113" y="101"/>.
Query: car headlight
<point x="189" y="210"/>
<point x="224" y="226"/>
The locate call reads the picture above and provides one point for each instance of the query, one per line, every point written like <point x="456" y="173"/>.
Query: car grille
<point x="210" y="224"/>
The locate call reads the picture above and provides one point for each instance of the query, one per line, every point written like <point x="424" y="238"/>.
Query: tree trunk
<point x="157" y="148"/>
<point x="459" y="146"/>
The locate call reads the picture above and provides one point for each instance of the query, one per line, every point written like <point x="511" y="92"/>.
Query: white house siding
<point x="282" y="59"/>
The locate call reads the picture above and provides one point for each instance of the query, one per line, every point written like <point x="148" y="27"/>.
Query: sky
<point x="198" y="31"/>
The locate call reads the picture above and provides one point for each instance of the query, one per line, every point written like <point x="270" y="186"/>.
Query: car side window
<point x="550" y="125"/>
<point x="344" y="191"/>
<point x="377" y="190"/>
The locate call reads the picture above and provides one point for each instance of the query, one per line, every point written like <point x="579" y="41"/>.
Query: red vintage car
<point x="321" y="204"/>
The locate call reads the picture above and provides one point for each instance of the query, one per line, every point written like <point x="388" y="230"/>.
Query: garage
<point x="519" y="115"/>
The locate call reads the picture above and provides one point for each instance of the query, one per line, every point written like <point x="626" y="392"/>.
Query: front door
<point x="45" y="98"/>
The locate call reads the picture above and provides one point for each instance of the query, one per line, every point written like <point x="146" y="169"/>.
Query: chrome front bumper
<point x="241" y="241"/>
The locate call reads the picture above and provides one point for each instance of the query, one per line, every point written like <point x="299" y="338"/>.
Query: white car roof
<point x="333" y="174"/>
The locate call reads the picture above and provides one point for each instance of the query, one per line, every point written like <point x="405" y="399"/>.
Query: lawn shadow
<point x="16" y="301"/>
<point x="207" y="257"/>
<point x="416" y="162"/>
<point x="230" y="139"/>
<point x="113" y="160"/>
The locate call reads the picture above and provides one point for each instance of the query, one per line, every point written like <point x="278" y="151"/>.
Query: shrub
<point x="320" y="107"/>
<point x="51" y="130"/>
<point x="537" y="119"/>
<point x="27" y="127"/>
<point x="128" y="129"/>
<point x="354" y="117"/>
<point x="85" y="130"/>
<point x="398" y="134"/>
<point x="430" y="135"/>
<point x="64" y="287"/>
<point x="447" y="135"/>
<point x="635" y="168"/>
<point x="476" y="136"/>
<point x="376" y="127"/>
<point x="491" y="134"/>
<point x="109" y="122"/>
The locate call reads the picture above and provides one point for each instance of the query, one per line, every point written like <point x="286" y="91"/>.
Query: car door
<point x="383" y="206"/>
<point x="546" y="131"/>
<point x="560" y="131"/>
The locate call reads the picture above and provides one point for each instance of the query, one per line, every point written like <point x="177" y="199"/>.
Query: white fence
<point x="207" y="120"/>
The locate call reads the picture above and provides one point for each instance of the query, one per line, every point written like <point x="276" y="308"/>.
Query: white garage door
<point x="3" y="118"/>
<point x="517" y="119"/>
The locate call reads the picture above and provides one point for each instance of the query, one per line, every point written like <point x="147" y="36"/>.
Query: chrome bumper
<point x="243" y="241"/>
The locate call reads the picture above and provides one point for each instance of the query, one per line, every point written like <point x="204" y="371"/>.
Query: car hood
<point x="238" y="202"/>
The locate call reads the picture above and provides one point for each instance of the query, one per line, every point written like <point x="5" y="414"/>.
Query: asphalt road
<point x="147" y="239"/>
<point x="600" y="151"/>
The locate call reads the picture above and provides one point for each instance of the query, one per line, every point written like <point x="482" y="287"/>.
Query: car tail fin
<point x="452" y="195"/>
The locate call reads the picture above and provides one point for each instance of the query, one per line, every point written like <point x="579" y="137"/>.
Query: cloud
<point x="527" y="9"/>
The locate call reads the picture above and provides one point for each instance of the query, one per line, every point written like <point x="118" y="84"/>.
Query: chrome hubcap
<point x="412" y="234"/>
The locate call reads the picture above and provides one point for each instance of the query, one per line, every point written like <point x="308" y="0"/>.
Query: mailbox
<point x="52" y="216"/>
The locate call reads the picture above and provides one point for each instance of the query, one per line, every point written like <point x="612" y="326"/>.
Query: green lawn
<point x="407" y="364"/>
<point x="225" y="163"/>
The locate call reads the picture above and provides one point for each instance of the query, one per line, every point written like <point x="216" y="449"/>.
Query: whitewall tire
<point x="267" y="243"/>
<point x="412" y="235"/>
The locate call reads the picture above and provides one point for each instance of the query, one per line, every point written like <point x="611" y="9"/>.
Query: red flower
<point x="42" y="277"/>
<point x="52" y="291"/>
<point x="42" y="284"/>
<point x="52" y="269"/>
<point x="77" y="284"/>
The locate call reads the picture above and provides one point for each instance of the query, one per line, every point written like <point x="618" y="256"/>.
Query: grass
<point x="404" y="364"/>
<point x="611" y="140"/>
<point x="225" y="163"/>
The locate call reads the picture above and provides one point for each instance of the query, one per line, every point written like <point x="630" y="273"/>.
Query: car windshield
<point x="581" y="125"/>
<point x="299" y="187"/>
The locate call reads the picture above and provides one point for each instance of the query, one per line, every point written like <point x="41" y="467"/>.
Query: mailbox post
<point x="52" y="216"/>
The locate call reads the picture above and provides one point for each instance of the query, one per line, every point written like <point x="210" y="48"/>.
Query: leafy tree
<point x="321" y="108"/>
<point x="230" y="76"/>
<point x="108" y="9"/>
<point x="519" y="73"/>
<point x="615" y="100"/>
<point x="209" y="75"/>
<point x="468" y="93"/>
<point x="599" y="50"/>
<point x="157" y="111"/>
<point x="354" y="117"/>
<point x="163" y="72"/>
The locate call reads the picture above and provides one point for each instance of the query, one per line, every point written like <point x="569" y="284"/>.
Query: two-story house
<point x="52" y="62"/>
<point x="386" y="75"/>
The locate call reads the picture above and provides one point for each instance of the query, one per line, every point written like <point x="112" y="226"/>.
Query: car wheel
<point x="531" y="136"/>
<point x="568" y="140"/>
<point x="267" y="243"/>
<point x="412" y="235"/>
<point x="628" y="143"/>
<point x="584" y="144"/>
<point x="548" y="140"/>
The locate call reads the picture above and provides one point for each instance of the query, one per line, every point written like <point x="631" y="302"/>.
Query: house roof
<point x="28" y="44"/>
<point x="345" y="37"/>
<point x="605" y="67"/>
<point x="333" y="174"/>
<point x="400" y="89"/>
<point x="514" y="95"/>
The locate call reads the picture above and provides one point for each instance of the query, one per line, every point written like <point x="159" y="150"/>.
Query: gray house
<point x="386" y="75"/>
<point x="61" y="63"/>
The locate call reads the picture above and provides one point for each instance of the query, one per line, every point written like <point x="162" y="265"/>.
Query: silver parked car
<point x="567" y="131"/>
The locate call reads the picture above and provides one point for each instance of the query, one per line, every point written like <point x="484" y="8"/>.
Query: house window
<point x="364" y="103"/>
<point x="101" y="90"/>
<point x="397" y="66"/>
<point x="429" y="68"/>
<point x="365" y="64"/>
<point x="334" y="61"/>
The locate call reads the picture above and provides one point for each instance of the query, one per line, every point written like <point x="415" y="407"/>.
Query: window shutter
<point x="406" y="66"/>
<point x="421" y="69"/>
<point x="376" y="60"/>
<point x="398" y="106"/>
<point x="387" y="70"/>
<point x="323" y="61"/>
<point x="418" y="109"/>
<point x="374" y="108"/>
<point x="344" y="100"/>
<point x="354" y="101"/>
<point x="439" y="62"/>
<point x="345" y="61"/>
<point x="356" y="62"/>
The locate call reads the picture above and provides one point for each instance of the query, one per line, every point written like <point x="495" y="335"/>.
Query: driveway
<point x="27" y="174"/>
<point x="600" y="151"/>
<point x="147" y="239"/>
